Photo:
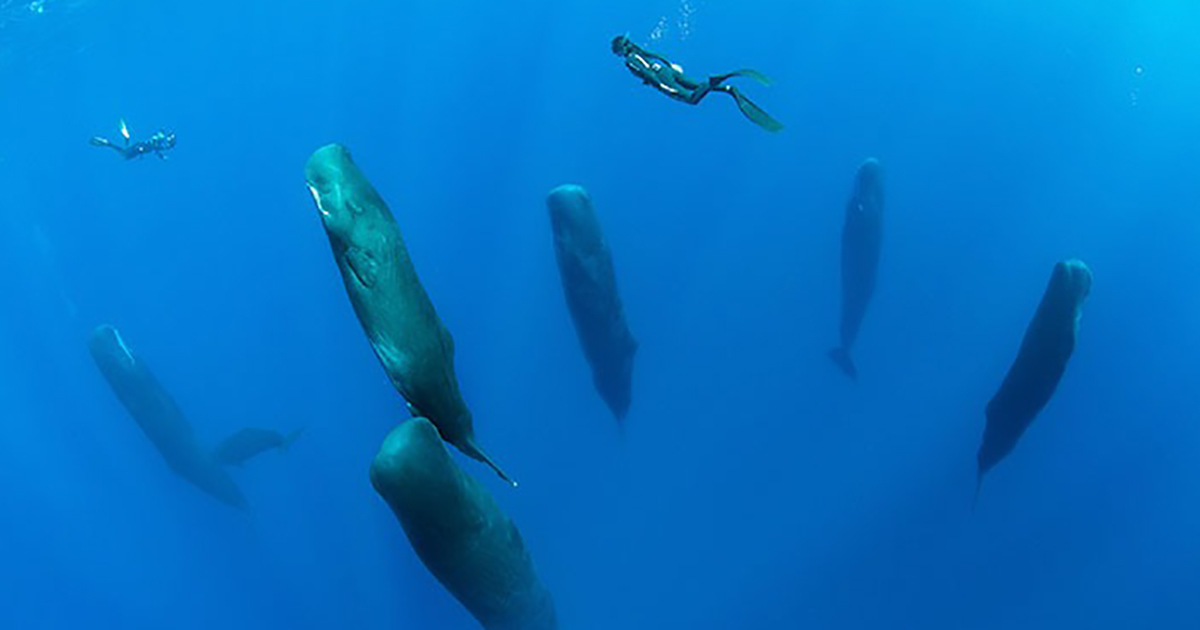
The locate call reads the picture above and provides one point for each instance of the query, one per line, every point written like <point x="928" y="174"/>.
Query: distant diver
<point x="667" y="77"/>
<point x="158" y="144"/>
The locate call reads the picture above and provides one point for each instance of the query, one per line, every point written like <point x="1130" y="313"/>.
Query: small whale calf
<point x="1041" y="361"/>
<point x="249" y="442"/>
<point x="155" y="411"/>
<point x="590" y="284"/>
<point x="404" y="330"/>
<point x="459" y="532"/>
<point x="862" y="238"/>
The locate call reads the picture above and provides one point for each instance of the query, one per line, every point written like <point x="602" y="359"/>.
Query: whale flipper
<point x="472" y="450"/>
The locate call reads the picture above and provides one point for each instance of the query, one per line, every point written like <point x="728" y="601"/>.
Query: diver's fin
<point x="290" y="439"/>
<point x="98" y="141"/>
<point x="841" y="357"/>
<point x="751" y="74"/>
<point x="754" y="112"/>
<point x="472" y="450"/>
<point x="745" y="72"/>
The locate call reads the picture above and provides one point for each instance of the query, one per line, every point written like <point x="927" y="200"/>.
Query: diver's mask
<point x="621" y="45"/>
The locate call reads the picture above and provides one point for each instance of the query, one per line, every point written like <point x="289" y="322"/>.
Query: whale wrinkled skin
<point x="459" y="532"/>
<point x="409" y="339"/>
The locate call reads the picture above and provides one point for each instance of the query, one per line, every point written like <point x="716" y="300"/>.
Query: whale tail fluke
<point x="290" y="439"/>
<point x="472" y="450"/>
<point x="841" y="358"/>
<point x="978" y="487"/>
<point x="621" y="431"/>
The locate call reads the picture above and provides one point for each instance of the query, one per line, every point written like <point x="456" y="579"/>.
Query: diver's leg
<point x="752" y="111"/>
<point x="698" y="93"/>
<point x="716" y="80"/>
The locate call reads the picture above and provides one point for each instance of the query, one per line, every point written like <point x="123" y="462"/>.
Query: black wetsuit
<point x="158" y="144"/>
<point x="666" y="77"/>
<point x="658" y="72"/>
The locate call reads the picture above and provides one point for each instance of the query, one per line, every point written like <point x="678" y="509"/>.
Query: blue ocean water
<point x="753" y="485"/>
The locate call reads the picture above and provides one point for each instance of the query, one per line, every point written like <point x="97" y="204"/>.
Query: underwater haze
<point x="751" y="484"/>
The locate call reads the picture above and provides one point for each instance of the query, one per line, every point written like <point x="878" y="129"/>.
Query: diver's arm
<point x="638" y="65"/>
<point x="646" y="54"/>
<point x="642" y="70"/>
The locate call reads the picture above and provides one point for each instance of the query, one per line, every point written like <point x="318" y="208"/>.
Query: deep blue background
<point x="755" y="486"/>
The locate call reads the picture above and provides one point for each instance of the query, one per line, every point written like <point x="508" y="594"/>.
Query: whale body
<point x="159" y="417"/>
<point x="459" y="532"/>
<point x="1041" y="361"/>
<point x="409" y="339"/>
<point x="589" y="282"/>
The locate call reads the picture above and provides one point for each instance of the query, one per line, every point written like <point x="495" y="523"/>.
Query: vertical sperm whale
<point x="465" y="540"/>
<point x="590" y="284"/>
<point x="1041" y="361"/>
<point x="155" y="411"/>
<point x="862" y="237"/>
<point x="409" y="339"/>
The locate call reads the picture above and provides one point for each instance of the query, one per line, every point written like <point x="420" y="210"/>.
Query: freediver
<point x="667" y="77"/>
<point x="158" y="144"/>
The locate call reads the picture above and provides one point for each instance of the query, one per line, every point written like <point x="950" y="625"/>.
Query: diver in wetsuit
<point x="666" y="77"/>
<point x="158" y="144"/>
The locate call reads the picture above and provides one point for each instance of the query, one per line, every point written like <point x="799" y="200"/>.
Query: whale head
<point x="868" y="183"/>
<point x="359" y="225"/>
<point x="106" y="345"/>
<point x="329" y="174"/>
<point x="1073" y="280"/>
